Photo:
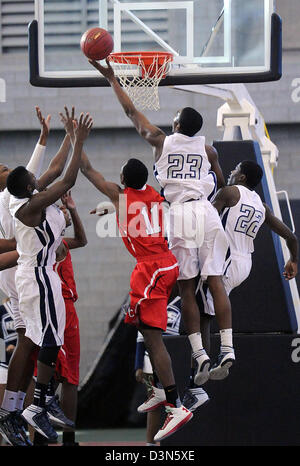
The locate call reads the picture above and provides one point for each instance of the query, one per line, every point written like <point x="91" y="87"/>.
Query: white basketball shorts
<point x="8" y="286"/>
<point x="42" y="306"/>
<point x="207" y="255"/>
<point x="237" y="269"/>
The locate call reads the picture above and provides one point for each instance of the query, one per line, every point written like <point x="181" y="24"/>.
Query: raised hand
<point x="45" y="125"/>
<point x="83" y="127"/>
<point x="107" y="72"/>
<point x="67" y="120"/>
<point x="68" y="201"/>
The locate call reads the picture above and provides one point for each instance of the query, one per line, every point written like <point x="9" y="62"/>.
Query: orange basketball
<point x="96" y="43"/>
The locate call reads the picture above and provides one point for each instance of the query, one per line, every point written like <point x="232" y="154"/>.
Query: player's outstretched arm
<point x="111" y="190"/>
<point x="58" y="162"/>
<point x="152" y="134"/>
<point x="79" y="239"/>
<point x="213" y="158"/>
<point x="36" y="161"/>
<point x="30" y="213"/>
<point x="276" y="225"/>
<point x="226" y="197"/>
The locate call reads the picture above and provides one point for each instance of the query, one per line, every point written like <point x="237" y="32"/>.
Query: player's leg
<point x="69" y="393"/>
<point x="20" y="369"/>
<point x="212" y="255"/>
<point x="36" y="414"/>
<point x="192" y="324"/>
<point x="177" y="415"/>
<point x="194" y="395"/>
<point x="153" y="423"/>
<point x="237" y="271"/>
<point x="53" y="407"/>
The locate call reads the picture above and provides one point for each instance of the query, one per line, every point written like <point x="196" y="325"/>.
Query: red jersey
<point x="140" y="222"/>
<point x="66" y="274"/>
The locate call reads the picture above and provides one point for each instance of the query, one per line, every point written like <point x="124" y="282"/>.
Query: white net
<point x="140" y="77"/>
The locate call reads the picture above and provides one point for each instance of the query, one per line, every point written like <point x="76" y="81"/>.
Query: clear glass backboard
<point x="211" y="41"/>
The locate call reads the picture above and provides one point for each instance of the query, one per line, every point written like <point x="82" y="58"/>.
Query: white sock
<point x="196" y="344"/>
<point x="20" y="400"/>
<point x="9" y="400"/>
<point x="226" y="340"/>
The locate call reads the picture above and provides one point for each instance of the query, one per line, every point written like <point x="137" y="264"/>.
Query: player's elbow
<point x="83" y="242"/>
<point x="57" y="170"/>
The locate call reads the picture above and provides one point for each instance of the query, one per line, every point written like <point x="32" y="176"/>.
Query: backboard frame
<point x="41" y="78"/>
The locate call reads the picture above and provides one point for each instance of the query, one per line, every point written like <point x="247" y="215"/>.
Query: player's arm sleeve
<point x="36" y="161"/>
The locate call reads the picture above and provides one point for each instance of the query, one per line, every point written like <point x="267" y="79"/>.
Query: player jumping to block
<point x="188" y="171"/>
<point x="243" y="213"/>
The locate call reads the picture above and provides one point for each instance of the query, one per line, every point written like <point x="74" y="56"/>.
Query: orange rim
<point x="146" y="57"/>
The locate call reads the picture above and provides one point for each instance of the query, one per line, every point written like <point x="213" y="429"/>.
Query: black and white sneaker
<point x="22" y="426"/>
<point x="203" y="366"/>
<point x="193" y="398"/>
<point x="37" y="417"/>
<point x="56" y="414"/>
<point x="220" y="369"/>
<point x="10" y="430"/>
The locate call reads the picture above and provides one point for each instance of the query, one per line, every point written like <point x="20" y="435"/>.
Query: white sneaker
<point x="176" y="418"/>
<point x="194" y="397"/>
<point x="220" y="369"/>
<point x="156" y="399"/>
<point x="202" y="374"/>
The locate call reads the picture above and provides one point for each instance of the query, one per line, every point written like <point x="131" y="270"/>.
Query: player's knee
<point x="48" y="355"/>
<point x="215" y="284"/>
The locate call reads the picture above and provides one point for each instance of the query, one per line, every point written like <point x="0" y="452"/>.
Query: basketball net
<point x="140" y="73"/>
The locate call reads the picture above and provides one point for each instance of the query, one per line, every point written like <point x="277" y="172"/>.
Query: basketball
<point x="96" y="43"/>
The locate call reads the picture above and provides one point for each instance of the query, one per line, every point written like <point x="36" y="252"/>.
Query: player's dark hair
<point x="135" y="174"/>
<point x="252" y="171"/>
<point x="190" y="121"/>
<point x="17" y="182"/>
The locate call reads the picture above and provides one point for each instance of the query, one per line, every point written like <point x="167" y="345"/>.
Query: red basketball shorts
<point x="69" y="355"/>
<point x="151" y="283"/>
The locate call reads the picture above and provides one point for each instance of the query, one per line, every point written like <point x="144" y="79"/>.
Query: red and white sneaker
<point x="176" y="418"/>
<point x="156" y="399"/>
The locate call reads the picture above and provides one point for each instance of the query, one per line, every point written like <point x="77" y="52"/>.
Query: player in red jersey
<point x="139" y="215"/>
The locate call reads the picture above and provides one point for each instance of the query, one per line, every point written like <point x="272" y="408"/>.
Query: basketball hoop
<point x="140" y="74"/>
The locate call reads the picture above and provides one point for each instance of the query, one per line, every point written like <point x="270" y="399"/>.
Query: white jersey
<point x="183" y="169"/>
<point x="242" y="221"/>
<point x="7" y="276"/>
<point x="37" y="245"/>
<point x="6" y="220"/>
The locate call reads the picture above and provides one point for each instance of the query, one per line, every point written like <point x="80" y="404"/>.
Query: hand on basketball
<point x="107" y="72"/>
<point x="290" y="270"/>
<point x="68" y="201"/>
<point x="83" y="127"/>
<point x="45" y="123"/>
<point x="67" y="120"/>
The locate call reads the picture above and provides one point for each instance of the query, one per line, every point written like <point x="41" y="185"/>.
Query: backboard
<point x="215" y="41"/>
